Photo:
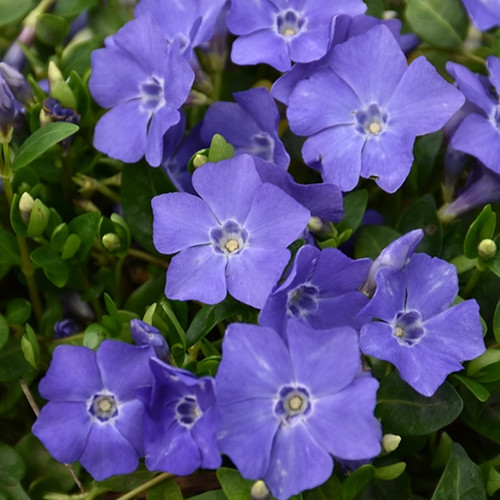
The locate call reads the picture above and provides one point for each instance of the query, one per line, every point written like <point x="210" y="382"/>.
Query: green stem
<point x="43" y="6"/>
<point x="139" y="254"/>
<point x="118" y="279"/>
<point x="146" y="486"/>
<point x="472" y="282"/>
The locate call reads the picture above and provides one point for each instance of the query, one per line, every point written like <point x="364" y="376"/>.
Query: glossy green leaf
<point x="371" y="240"/>
<point x="167" y="490"/>
<point x="423" y="215"/>
<point x="12" y="362"/>
<point x="492" y="479"/>
<point x="354" y="209"/>
<point x="331" y="490"/>
<point x="30" y="347"/>
<point x="139" y="186"/>
<point x="483" y="227"/>
<point x="18" y="311"/>
<point x="440" y="22"/>
<point x="9" y="250"/>
<point x="85" y="226"/>
<point x="41" y="140"/>
<point x="461" y="479"/>
<point x="12" y="10"/>
<point x="51" y="29"/>
<point x="233" y="485"/>
<point x="209" y="316"/>
<point x="390" y="472"/>
<point x="479" y="390"/>
<point x="12" y="467"/>
<point x="357" y="481"/>
<point x="71" y="246"/>
<point x="54" y="268"/>
<point x="406" y="412"/>
<point x="174" y="327"/>
<point x="484" y="418"/>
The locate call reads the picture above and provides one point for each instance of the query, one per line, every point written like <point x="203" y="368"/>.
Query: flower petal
<point x="162" y="119"/>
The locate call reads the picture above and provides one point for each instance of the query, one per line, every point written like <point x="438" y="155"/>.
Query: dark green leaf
<point x="12" y="10"/>
<point x="4" y="331"/>
<point x="71" y="8"/>
<point x="209" y="316"/>
<point x="18" y="225"/>
<point x="423" y="215"/>
<point x="139" y="185"/>
<point x="331" y="490"/>
<point x="165" y="491"/>
<point x="475" y="387"/>
<point x="41" y="140"/>
<point x="11" y="465"/>
<point x="483" y="227"/>
<point x="18" y="311"/>
<point x="85" y="226"/>
<point x="440" y="22"/>
<point x="496" y="322"/>
<point x="210" y="495"/>
<point x="127" y="482"/>
<point x="233" y="485"/>
<point x="12" y="362"/>
<point x="70" y="247"/>
<point x="357" y="482"/>
<point x="372" y="240"/>
<point x="375" y="8"/>
<point x="174" y="327"/>
<point x="151" y="291"/>
<point x="9" y="251"/>
<point x="354" y="209"/>
<point x="54" y="268"/>
<point x="461" y="479"/>
<point x="405" y="412"/>
<point x="51" y="29"/>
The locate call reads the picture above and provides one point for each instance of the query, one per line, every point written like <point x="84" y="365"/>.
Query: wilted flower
<point x="93" y="414"/>
<point x="288" y="404"/>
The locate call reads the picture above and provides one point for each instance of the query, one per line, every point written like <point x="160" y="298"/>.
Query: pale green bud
<point x="111" y="242"/>
<point x="487" y="249"/>
<point x="259" y="491"/>
<point x="390" y="442"/>
<point x="26" y="206"/>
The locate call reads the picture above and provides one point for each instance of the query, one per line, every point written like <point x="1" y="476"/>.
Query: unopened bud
<point x="487" y="249"/>
<point x="38" y="219"/>
<point x="260" y="491"/>
<point x="390" y="442"/>
<point x="199" y="160"/>
<point x="59" y="88"/>
<point x="315" y="224"/>
<point x="7" y="112"/>
<point x="18" y="84"/>
<point x="26" y="206"/>
<point x="111" y="242"/>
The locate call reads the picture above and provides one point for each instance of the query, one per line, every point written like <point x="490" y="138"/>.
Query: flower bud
<point x="38" y="218"/>
<point x="18" y="84"/>
<point x="144" y="334"/>
<point x="199" y="160"/>
<point x="390" y="442"/>
<point x="487" y="249"/>
<point x="259" y="491"/>
<point x="7" y="112"/>
<point x="59" y="88"/>
<point x="111" y="242"/>
<point x="315" y="224"/>
<point x="65" y="328"/>
<point x="26" y="206"/>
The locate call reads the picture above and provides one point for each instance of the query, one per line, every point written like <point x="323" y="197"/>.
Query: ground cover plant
<point x="248" y="249"/>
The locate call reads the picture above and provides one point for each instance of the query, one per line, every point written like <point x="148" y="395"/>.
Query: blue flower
<point x="414" y="326"/>
<point x="180" y="424"/>
<point x="93" y="414"/>
<point x="132" y="75"/>
<point x="288" y="404"/>
<point x="485" y="14"/>
<point x="233" y="237"/>
<point x="144" y="334"/>
<point x="362" y="113"/>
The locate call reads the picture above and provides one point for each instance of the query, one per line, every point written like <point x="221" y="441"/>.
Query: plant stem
<point x="139" y="254"/>
<point x="472" y="282"/>
<point x="146" y="486"/>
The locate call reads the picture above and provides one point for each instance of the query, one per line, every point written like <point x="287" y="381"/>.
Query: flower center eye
<point x="103" y="407"/>
<point x="408" y="329"/>
<point x="303" y="300"/>
<point x="152" y="93"/>
<point x="289" y="23"/>
<point x="371" y="120"/>
<point x="229" y="239"/>
<point x="187" y="411"/>
<point x="293" y="403"/>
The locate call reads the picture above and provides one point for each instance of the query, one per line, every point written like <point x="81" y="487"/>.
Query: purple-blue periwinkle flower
<point x="478" y="133"/>
<point x="93" y="415"/>
<point x="145" y="334"/>
<point x="321" y="290"/>
<point x="190" y="23"/>
<point x="362" y="113"/>
<point x="277" y="32"/>
<point x="288" y="404"/>
<point x="65" y="328"/>
<point x="250" y="125"/>
<point x="414" y="326"/>
<point x="483" y="187"/>
<point x="232" y="238"/>
<point x="180" y="424"/>
<point x="395" y="255"/>
<point x="7" y="111"/>
<point x="132" y="75"/>
<point x="485" y="14"/>
<point x="17" y="83"/>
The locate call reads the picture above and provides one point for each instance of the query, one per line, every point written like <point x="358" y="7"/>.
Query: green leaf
<point x="12" y="10"/>
<point x="12" y="362"/>
<point x="372" y="240"/>
<point x="94" y="334"/>
<point x="357" y="481"/>
<point x="12" y="467"/>
<point x="71" y="246"/>
<point x="496" y="322"/>
<point x="30" y="347"/>
<point x="85" y="226"/>
<point x="475" y="387"/>
<point x="51" y="29"/>
<point x="492" y="479"/>
<point x="54" y="268"/>
<point x="139" y="186"/>
<point x="209" y="316"/>
<point x="146" y="294"/>
<point x="423" y="215"/>
<point x="233" y="485"/>
<point x="483" y="227"/>
<point x="165" y="491"/>
<point x="484" y="418"/>
<point x="41" y="140"/>
<point x="9" y="251"/>
<point x="440" y="22"/>
<point x="219" y="149"/>
<point x="4" y="331"/>
<point x="405" y="412"/>
<point x="354" y="209"/>
<point x="126" y="482"/>
<point x="390" y="472"/>
<point x="210" y="495"/>
<point x="18" y="311"/>
<point x="461" y="479"/>
<point x="16" y="221"/>
<point x="331" y="490"/>
<point x="71" y="8"/>
<point x="174" y="327"/>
